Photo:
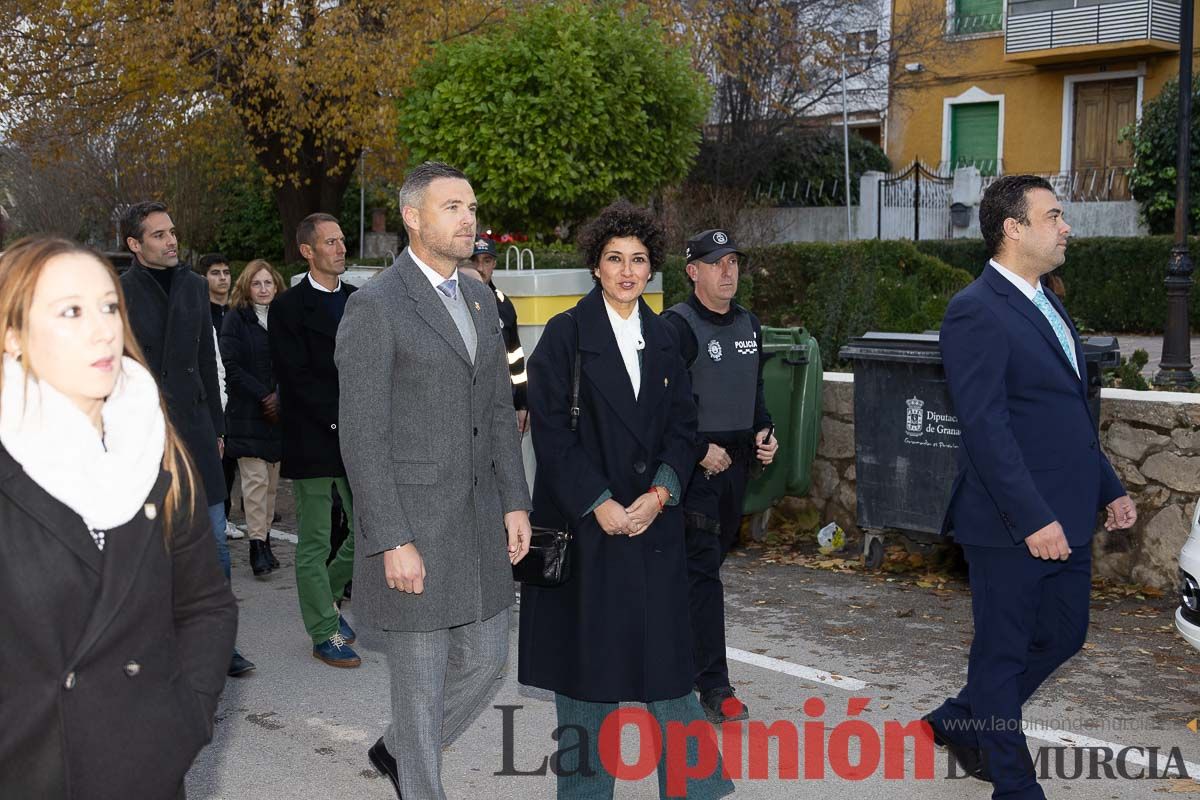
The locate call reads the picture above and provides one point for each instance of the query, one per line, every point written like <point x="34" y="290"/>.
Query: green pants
<point x="320" y="585"/>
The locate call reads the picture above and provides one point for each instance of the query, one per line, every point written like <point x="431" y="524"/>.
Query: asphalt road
<point x="296" y="728"/>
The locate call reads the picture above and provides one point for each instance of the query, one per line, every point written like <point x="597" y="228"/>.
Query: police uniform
<point x="508" y="327"/>
<point x="722" y="353"/>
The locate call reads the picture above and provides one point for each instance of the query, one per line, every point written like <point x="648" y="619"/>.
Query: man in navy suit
<point x="1031" y="482"/>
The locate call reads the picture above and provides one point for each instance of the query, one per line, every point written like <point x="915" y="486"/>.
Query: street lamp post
<point x="1176" y="366"/>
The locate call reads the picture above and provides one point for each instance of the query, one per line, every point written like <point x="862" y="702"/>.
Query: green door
<point x="974" y="136"/>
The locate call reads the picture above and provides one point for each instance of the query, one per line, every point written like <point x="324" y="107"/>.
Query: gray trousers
<point x="440" y="679"/>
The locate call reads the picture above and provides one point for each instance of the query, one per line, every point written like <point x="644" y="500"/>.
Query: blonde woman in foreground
<point x="106" y="554"/>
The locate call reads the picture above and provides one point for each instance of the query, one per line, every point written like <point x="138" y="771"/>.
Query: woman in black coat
<point x="618" y="629"/>
<point x="253" y="434"/>
<point x="106" y="549"/>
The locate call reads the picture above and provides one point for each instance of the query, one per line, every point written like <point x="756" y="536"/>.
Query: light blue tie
<point x="1060" y="329"/>
<point x="449" y="288"/>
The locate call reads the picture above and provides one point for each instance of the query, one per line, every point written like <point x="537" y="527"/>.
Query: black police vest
<point x="725" y="372"/>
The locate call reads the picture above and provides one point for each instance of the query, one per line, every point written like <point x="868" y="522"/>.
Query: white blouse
<point x="628" y="333"/>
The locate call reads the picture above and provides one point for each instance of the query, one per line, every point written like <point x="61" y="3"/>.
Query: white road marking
<point x="1078" y="740"/>
<point x="796" y="670"/>
<point x="287" y="537"/>
<point x="1032" y="730"/>
<point x="849" y="684"/>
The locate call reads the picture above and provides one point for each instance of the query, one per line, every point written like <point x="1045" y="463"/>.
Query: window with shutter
<point x="975" y="136"/>
<point x="978" y="16"/>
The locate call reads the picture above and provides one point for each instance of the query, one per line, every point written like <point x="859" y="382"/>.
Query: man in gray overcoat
<point x="434" y="460"/>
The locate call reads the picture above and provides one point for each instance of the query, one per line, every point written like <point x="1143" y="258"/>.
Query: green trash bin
<point x="792" y="379"/>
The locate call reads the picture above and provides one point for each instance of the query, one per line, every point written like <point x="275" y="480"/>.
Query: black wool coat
<point x="249" y="377"/>
<point x="117" y="657"/>
<point x="618" y="629"/>
<point x="303" y="336"/>
<point x="176" y="336"/>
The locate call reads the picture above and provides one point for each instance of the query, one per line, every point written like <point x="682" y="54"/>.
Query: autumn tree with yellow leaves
<point x="299" y="86"/>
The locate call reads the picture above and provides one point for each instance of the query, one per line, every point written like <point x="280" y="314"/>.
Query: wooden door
<point x="1098" y="159"/>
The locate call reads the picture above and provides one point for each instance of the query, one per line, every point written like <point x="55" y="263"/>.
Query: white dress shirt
<point x="1016" y="280"/>
<point x="628" y="333"/>
<point x="321" y="288"/>
<point x="430" y="274"/>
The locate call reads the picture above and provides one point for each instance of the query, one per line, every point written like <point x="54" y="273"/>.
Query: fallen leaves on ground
<point x="1179" y="786"/>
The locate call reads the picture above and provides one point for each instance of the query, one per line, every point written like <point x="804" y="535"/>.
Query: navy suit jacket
<point x="1030" y="453"/>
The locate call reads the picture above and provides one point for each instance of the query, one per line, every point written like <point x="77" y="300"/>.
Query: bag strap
<point x="575" y="379"/>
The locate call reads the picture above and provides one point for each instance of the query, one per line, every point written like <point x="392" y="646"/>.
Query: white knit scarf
<point x="104" y="481"/>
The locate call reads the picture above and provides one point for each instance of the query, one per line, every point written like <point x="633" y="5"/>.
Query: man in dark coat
<point x="303" y="333"/>
<point x="483" y="258"/>
<point x="169" y="313"/>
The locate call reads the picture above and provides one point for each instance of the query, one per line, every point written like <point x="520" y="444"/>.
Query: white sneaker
<point x="232" y="532"/>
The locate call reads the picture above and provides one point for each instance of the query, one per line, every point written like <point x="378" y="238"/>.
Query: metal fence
<point x="1086" y="185"/>
<point x="801" y="193"/>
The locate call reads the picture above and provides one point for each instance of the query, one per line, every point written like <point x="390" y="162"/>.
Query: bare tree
<point x="777" y="65"/>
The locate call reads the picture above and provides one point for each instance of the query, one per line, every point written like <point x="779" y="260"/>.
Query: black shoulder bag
<point x="548" y="562"/>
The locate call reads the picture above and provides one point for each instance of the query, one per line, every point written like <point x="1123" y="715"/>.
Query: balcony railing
<point x="1074" y="24"/>
<point x="965" y="24"/>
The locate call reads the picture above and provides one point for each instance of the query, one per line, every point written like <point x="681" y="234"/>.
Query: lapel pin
<point x="150" y="511"/>
<point x="477" y="305"/>
<point x="666" y="381"/>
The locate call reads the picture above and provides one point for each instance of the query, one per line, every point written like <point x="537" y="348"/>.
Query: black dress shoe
<point x="970" y="759"/>
<point x="383" y="762"/>
<point x="239" y="665"/>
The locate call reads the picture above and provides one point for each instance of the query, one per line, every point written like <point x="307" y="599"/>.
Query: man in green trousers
<point x="303" y="331"/>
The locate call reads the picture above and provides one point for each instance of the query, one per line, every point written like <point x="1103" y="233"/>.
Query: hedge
<point x="836" y="291"/>
<point x="842" y="290"/>
<point x="1113" y="284"/>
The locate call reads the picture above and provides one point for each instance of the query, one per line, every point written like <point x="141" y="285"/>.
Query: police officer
<point x="483" y="259"/>
<point x="721" y="342"/>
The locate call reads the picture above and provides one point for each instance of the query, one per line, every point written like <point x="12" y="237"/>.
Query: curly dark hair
<point x="622" y="219"/>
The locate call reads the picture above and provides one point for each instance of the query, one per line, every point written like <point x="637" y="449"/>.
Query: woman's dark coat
<point x="114" y="659"/>
<point x="249" y="377"/>
<point x="176" y="336"/>
<point x="618" y="630"/>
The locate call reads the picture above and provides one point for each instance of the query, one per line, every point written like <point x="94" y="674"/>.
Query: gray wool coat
<point x="431" y="449"/>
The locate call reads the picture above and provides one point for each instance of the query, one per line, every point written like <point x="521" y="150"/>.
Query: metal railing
<point x="1106" y="23"/>
<point x="1086" y="185"/>
<point x="964" y="24"/>
<point x="986" y="166"/>
<point x="801" y="193"/>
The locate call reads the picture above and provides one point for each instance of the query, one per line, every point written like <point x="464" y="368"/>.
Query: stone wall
<point x="1152" y="439"/>
<point x="832" y="493"/>
<point x="1153" y="442"/>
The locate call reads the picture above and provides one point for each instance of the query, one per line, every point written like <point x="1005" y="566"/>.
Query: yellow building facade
<point x="1041" y="86"/>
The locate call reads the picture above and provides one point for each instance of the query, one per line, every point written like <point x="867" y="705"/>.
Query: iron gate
<point x="914" y="202"/>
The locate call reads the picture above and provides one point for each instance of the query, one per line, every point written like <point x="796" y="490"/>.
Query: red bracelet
<point x="661" y="504"/>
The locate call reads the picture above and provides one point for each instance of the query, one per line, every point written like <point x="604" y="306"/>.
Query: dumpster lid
<point x="1102" y="350"/>
<point x="1100" y="343"/>
<point x="880" y="346"/>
